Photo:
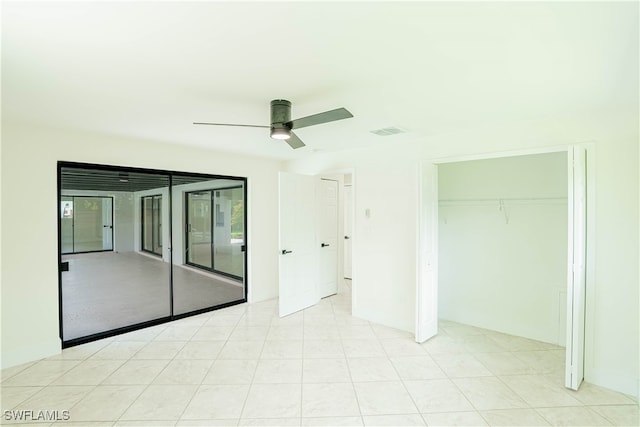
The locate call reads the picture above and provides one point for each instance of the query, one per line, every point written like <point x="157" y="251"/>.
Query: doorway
<point x="151" y="224"/>
<point x="328" y="235"/>
<point x="215" y="230"/>
<point x="311" y="232"/>
<point x="505" y="221"/>
<point x="86" y="224"/>
<point x="348" y="227"/>
<point x="580" y="225"/>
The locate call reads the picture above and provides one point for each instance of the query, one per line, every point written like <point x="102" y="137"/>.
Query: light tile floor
<point x="244" y="366"/>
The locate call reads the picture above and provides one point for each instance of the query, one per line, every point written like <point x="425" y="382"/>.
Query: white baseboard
<point x="619" y="383"/>
<point x="30" y="353"/>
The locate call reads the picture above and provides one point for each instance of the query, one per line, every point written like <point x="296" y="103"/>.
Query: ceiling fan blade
<point x="231" y="124"/>
<point x="294" y="141"/>
<point x="316" y="119"/>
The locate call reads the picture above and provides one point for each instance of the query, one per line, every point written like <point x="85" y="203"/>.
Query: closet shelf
<point x="502" y="200"/>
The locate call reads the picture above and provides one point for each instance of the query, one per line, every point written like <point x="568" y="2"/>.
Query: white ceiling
<point x="149" y="69"/>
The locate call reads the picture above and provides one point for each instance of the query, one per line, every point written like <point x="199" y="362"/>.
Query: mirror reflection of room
<point x="144" y="247"/>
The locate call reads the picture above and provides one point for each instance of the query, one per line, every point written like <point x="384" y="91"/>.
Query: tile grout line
<point x="93" y="386"/>
<point x="199" y="386"/>
<point x="500" y="378"/>
<point x="457" y="387"/>
<point x="99" y="384"/>
<point x="402" y="381"/>
<point x="151" y="382"/>
<point x="302" y="371"/>
<point x="346" y="359"/>
<point x="250" y="386"/>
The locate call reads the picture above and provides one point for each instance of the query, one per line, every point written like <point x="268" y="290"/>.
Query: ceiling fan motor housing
<point x="280" y="114"/>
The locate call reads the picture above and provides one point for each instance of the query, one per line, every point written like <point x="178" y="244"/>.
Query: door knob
<point x="284" y="252"/>
<point x="324" y="244"/>
<point x="346" y="237"/>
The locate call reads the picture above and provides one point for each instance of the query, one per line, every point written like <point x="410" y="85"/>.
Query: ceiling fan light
<point x="280" y="133"/>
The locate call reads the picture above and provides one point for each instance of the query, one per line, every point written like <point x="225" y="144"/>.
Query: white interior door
<point x="348" y="218"/>
<point x="576" y="277"/>
<point x="107" y="223"/>
<point x="328" y="236"/>
<point x="298" y="244"/>
<point x="427" y="289"/>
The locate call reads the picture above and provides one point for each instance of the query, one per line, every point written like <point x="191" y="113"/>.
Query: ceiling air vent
<point x="393" y="130"/>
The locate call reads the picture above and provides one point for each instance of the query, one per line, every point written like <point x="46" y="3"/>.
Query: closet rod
<point x="506" y="199"/>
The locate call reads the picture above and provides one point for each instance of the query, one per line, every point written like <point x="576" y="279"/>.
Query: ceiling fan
<point x="282" y="126"/>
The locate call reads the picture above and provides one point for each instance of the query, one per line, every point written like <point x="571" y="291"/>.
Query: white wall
<point x="123" y="216"/>
<point x="503" y="244"/>
<point x="384" y="259"/>
<point x="29" y="156"/>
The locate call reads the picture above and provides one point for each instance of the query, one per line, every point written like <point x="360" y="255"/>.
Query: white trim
<point x="426" y="240"/>
<point x="576" y="266"/>
<point x="427" y="249"/>
<point x="33" y="351"/>
<point x="342" y="172"/>
<point x="590" y="294"/>
<point x="502" y="154"/>
<point x="339" y="179"/>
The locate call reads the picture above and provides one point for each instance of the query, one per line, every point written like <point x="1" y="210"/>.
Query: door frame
<point x="212" y="269"/>
<point x="344" y="230"/>
<point x="577" y="265"/>
<point x="338" y="175"/>
<point x="427" y="245"/>
<point x="171" y="176"/>
<point x="143" y="228"/>
<point x="73" y="223"/>
<point x="339" y="179"/>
